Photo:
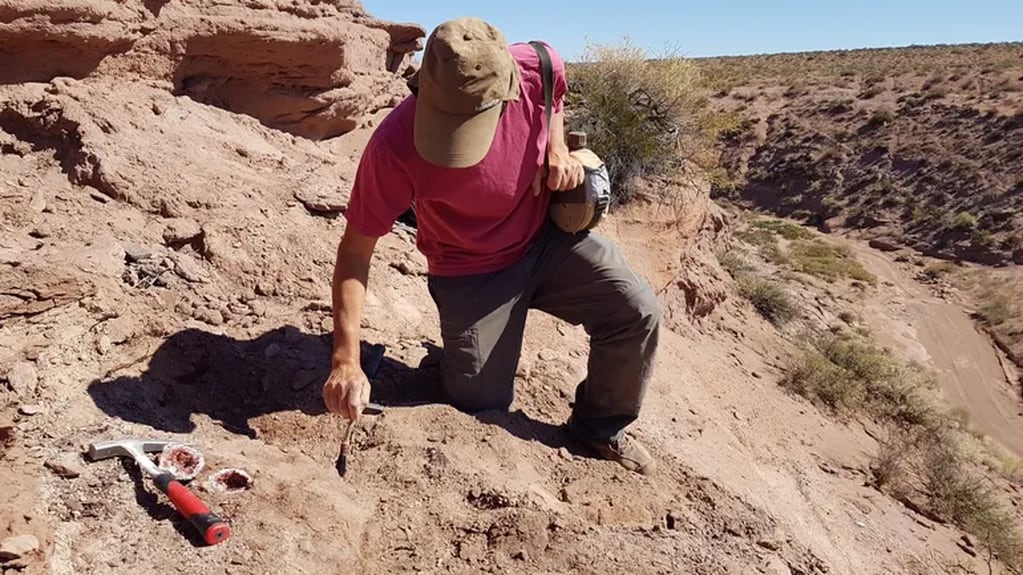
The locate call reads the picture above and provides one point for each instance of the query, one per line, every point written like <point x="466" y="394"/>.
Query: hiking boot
<point x="628" y="452"/>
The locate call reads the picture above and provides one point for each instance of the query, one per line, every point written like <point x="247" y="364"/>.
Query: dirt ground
<point x="228" y="351"/>
<point x="938" y="332"/>
<point x="165" y="268"/>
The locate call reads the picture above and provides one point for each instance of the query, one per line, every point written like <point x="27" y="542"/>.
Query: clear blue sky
<point x="712" y="28"/>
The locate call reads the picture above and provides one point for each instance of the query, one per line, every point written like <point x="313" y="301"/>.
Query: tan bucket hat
<point x="466" y="76"/>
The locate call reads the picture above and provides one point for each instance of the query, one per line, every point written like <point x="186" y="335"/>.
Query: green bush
<point x="643" y="116"/>
<point x="850" y="374"/>
<point x="827" y="262"/>
<point x="995" y="313"/>
<point x="769" y="299"/>
<point x="846" y="371"/>
<point x="785" y="229"/>
<point x="964" y="221"/>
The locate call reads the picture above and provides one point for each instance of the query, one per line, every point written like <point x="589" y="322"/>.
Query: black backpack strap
<point x="547" y="69"/>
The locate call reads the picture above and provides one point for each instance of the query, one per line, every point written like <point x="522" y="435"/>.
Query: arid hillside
<point x="172" y="175"/>
<point x="918" y="149"/>
<point x="922" y="147"/>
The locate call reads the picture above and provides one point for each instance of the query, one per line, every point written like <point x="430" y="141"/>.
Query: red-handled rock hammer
<point x="212" y="527"/>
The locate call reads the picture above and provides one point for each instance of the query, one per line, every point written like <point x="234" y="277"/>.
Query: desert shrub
<point x="846" y="371"/>
<point x="995" y="313"/>
<point x="963" y="221"/>
<point x="733" y="262"/>
<point x="939" y="269"/>
<point x="766" y="243"/>
<point x="643" y="116"/>
<point x="787" y="230"/>
<point x="880" y="118"/>
<point x="769" y="299"/>
<point x="850" y="374"/>
<point x="871" y="91"/>
<point x="826" y="261"/>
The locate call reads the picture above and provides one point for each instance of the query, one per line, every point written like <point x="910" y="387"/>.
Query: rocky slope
<point x="165" y="271"/>
<point x="310" y="68"/>
<point x="918" y="147"/>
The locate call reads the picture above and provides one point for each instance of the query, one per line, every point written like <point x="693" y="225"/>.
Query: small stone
<point x="30" y="409"/>
<point x="756" y="375"/>
<point x="13" y="548"/>
<point x="121" y="329"/>
<point x="565" y="454"/>
<point x="524" y="369"/>
<point x="181" y="231"/>
<point x="38" y="203"/>
<point x="548" y="355"/>
<point x="99" y="197"/>
<point x="135" y="253"/>
<point x="158" y="108"/>
<point x="67" y="466"/>
<point x="23" y="378"/>
<point x="210" y="316"/>
<point x="769" y="544"/>
<point x="736" y="415"/>
<point x="189" y="269"/>
<point x="321" y="201"/>
<point x="103" y="344"/>
<point x="40" y="233"/>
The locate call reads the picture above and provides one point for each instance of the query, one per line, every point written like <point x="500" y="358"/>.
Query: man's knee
<point x="645" y="308"/>
<point x="474" y="396"/>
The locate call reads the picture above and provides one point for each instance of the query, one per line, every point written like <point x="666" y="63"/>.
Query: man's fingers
<point x="354" y="402"/>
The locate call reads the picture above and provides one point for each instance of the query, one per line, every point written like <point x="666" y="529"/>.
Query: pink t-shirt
<point x="470" y="220"/>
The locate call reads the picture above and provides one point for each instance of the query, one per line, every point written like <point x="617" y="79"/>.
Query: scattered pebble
<point x="181" y="231"/>
<point x="16" y="547"/>
<point x="99" y="197"/>
<point x="67" y="466"/>
<point x="23" y="378"/>
<point x="321" y="201"/>
<point x="135" y="253"/>
<point x="548" y="355"/>
<point x="565" y="454"/>
<point x="38" y="203"/>
<point x="103" y="345"/>
<point x="30" y="409"/>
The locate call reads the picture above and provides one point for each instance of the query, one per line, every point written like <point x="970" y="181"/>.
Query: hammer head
<point x="125" y="448"/>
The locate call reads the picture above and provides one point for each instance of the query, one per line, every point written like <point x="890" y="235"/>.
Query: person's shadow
<point x="233" y="381"/>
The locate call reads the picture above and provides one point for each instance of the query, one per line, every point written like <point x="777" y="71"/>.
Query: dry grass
<point x="770" y="299"/>
<point x="827" y="261"/>
<point x="944" y="64"/>
<point x="927" y="455"/>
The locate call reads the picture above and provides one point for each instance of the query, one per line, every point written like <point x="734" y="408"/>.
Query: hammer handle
<point x="209" y="524"/>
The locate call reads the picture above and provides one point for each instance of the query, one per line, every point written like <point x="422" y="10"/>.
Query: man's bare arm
<point x="347" y="389"/>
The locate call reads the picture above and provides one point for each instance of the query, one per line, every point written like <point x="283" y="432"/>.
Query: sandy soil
<point x="165" y="272"/>
<point x="940" y="334"/>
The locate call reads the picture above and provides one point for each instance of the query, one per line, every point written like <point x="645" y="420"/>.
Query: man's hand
<point x="566" y="172"/>
<point x="346" y="391"/>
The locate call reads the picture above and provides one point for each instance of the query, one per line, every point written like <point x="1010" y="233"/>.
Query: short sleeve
<point x="530" y="60"/>
<point x="382" y="189"/>
<point x="560" y="78"/>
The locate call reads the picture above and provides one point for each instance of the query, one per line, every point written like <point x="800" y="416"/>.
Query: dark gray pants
<point x="581" y="279"/>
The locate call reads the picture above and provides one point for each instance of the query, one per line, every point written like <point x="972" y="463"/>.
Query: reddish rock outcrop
<point x="312" y="68"/>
